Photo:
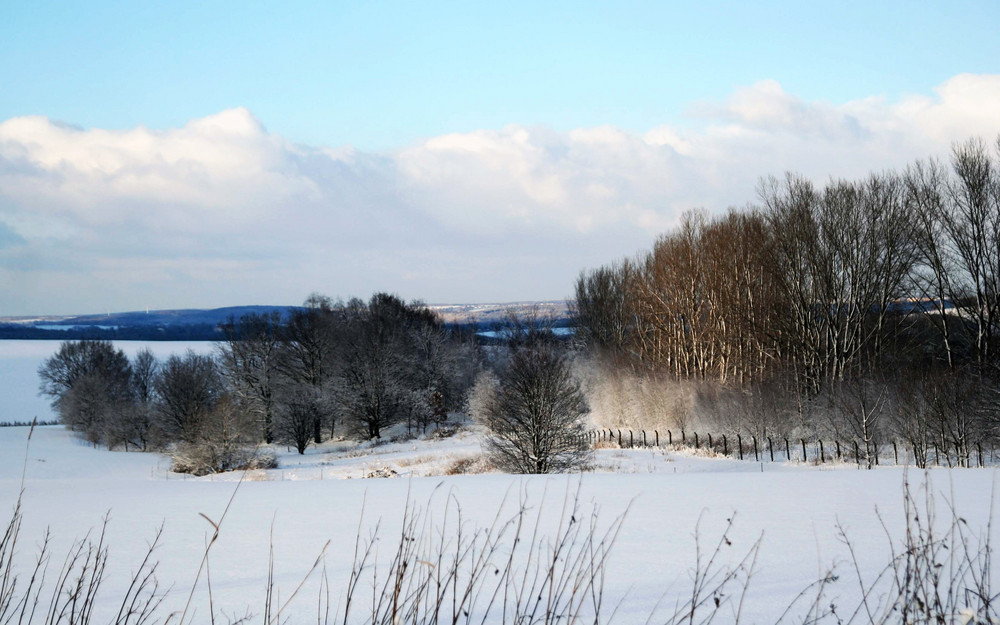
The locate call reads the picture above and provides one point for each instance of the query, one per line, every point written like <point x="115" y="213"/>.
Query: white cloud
<point x="222" y="208"/>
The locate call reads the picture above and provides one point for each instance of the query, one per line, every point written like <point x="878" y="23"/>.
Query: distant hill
<point x="154" y="325"/>
<point x="184" y="317"/>
<point x="203" y="324"/>
<point x="485" y="315"/>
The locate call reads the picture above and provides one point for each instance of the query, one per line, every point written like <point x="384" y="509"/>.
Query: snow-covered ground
<point x="665" y="496"/>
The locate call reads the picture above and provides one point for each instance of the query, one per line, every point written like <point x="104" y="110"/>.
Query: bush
<point x="225" y="442"/>
<point x="205" y="458"/>
<point x="468" y="466"/>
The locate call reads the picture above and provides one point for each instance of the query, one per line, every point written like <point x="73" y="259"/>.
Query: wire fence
<point x="803" y="450"/>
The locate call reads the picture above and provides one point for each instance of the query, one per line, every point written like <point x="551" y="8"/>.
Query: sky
<point x="189" y="154"/>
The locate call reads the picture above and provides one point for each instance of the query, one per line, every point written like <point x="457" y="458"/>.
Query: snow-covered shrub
<point x="481" y="394"/>
<point x="468" y="466"/>
<point x="446" y="431"/>
<point x="225" y="442"/>
<point x="619" y="398"/>
<point x="205" y="458"/>
<point x="382" y="472"/>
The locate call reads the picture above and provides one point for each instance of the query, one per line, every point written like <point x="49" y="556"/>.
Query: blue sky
<point x="189" y="154"/>
<point x="379" y="74"/>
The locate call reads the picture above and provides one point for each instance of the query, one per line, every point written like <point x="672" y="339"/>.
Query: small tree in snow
<point x="295" y="422"/>
<point x="533" y="413"/>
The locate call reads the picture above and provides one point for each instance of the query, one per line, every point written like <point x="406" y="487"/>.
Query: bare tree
<point x="604" y="307"/>
<point x="88" y="382"/>
<point x="131" y="423"/>
<point x="443" y="367"/>
<point x="534" y="414"/>
<point x="861" y="405"/>
<point x="790" y="207"/>
<point x="308" y="355"/>
<point x="144" y="371"/>
<point x="933" y="274"/>
<point x="971" y="220"/>
<point x="187" y="389"/>
<point x="385" y="361"/>
<point x="295" y="421"/>
<point x="249" y="358"/>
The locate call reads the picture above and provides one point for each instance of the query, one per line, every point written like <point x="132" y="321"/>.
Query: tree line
<point x="870" y="301"/>
<point x="354" y="368"/>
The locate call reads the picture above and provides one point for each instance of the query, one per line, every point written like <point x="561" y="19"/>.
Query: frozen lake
<point x="19" y="362"/>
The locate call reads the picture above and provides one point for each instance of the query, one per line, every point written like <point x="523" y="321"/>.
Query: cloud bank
<point x="221" y="211"/>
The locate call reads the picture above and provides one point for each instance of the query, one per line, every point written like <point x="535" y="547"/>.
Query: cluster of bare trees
<point x="360" y="366"/>
<point x="365" y="366"/>
<point x="841" y="293"/>
<point x="142" y="403"/>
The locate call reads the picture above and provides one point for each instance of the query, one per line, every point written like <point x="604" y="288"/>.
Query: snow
<point x="494" y="334"/>
<point x="665" y="496"/>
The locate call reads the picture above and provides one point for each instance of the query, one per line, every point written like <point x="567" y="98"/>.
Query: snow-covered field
<point x="666" y="497"/>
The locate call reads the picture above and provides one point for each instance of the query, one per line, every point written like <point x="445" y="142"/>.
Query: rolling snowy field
<point x="665" y="497"/>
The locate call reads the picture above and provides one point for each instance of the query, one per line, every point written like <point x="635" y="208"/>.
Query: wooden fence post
<point x="725" y="445"/>
<point x="770" y="448"/>
<point x="683" y="437"/>
<point x="619" y="438"/>
<point x="788" y="452"/>
<point x="657" y="433"/>
<point x="644" y="439"/>
<point x="696" y="446"/>
<point x="670" y="437"/>
<point x="710" y="440"/>
<point x="979" y="447"/>
<point x="838" y="451"/>
<point x="895" y="453"/>
<point x="804" y="458"/>
<point x="631" y="441"/>
<point x="739" y="442"/>
<point x="822" y="453"/>
<point x="756" y="456"/>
